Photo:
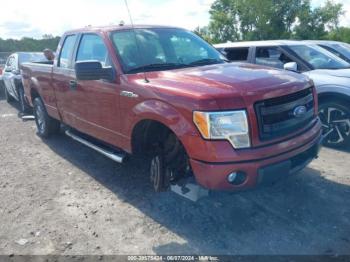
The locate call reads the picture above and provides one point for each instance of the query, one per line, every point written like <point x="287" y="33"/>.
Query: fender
<point x="335" y="89"/>
<point x="166" y="114"/>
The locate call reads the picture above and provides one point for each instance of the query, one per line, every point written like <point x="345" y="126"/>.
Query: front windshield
<point x="162" y="49"/>
<point x="342" y="48"/>
<point x="318" y="57"/>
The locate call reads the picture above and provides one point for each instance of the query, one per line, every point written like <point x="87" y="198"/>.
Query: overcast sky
<point x="33" y="18"/>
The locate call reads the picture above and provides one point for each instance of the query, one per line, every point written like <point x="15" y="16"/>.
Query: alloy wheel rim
<point x="335" y="125"/>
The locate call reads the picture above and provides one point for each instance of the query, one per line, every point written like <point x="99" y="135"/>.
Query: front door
<point x="97" y="101"/>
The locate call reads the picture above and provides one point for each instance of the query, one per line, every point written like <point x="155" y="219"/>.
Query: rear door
<point x="97" y="101"/>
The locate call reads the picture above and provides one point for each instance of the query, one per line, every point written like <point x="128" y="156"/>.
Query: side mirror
<point x="49" y="54"/>
<point x="93" y="70"/>
<point x="8" y="69"/>
<point x="291" y="66"/>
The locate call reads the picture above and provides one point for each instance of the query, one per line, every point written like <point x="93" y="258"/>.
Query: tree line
<point x="29" y="44"/>
<point x="247" y="20"/>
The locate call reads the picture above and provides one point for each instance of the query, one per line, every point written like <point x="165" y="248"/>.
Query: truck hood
<point x="231" y="85"/>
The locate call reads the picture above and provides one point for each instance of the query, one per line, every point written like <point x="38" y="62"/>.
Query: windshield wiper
<point x="156" y="66"/>
<point x="207" y="61"/>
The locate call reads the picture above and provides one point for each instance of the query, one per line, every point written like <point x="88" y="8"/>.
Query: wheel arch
<point x="326" y="96"/>
<point x="150" y="117"/>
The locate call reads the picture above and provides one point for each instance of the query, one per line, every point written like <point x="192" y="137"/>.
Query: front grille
<point x="278" y="117"/>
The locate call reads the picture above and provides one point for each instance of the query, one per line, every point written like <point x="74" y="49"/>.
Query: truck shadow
<point x="305" y="214"/>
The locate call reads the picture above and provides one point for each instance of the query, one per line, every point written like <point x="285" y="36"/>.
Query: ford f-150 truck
<point x="165" y="93"/>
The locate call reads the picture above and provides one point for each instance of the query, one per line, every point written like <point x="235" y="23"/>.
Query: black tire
<point x="335" y="118"/>
<point x="169" y="162"/>
<point x="8" y="97"/>
<point x="46" y="125"/>
<point x="24" y="107"/>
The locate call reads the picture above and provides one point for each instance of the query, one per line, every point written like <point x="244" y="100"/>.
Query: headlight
<point x="231" y="125"/>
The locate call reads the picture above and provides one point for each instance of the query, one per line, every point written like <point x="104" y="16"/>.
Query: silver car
<point x="12" y="78"/>
<point x="330" y="74"/>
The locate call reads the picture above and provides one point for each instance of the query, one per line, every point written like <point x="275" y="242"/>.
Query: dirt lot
<point x="59" y="197"/>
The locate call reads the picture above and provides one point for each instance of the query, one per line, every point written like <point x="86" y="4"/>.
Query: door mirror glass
<point x="291" y="66"/>
<point x="93" y="70"/>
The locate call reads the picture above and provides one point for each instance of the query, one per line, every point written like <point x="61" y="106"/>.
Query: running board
<point x="28" y="117"/>
<point x="114" y="156"/>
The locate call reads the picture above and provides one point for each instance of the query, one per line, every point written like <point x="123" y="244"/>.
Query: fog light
<point x="237" y="178"/>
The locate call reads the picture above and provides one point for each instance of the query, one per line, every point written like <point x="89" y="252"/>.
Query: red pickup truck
<point x="165" y="93"/>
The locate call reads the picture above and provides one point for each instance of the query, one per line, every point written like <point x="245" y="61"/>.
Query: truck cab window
<point x="271" y="56"/>
<point x="67" y="51"/>
<point x="236" y="54"/>
<point x="92" y="47"/>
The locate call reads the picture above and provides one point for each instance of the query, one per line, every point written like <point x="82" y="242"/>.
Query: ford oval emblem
<point x="299" y="111"/>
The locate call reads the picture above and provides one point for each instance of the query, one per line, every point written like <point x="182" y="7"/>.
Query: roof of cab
<point x="258" y="43"/>
<point x="110" y="28"/>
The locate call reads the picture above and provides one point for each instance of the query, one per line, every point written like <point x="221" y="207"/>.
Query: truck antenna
<point x="136" y="40"/>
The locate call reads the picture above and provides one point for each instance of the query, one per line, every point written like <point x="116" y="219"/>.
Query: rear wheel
<point x="8" y="97"/>
<point x="46" y="125"/>
<point x="335" y="118"/>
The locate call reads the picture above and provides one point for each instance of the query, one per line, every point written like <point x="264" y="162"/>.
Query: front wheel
<point x="335" y="118"/>
<point x="169" y="162"/>
<point x="46" y="125"/>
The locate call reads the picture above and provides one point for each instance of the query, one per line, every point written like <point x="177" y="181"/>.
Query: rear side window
<point x="92" y="47"/>
<point x="236" y="54"/>
<point x="67" y="51"/>
<point x="271" y="56"/>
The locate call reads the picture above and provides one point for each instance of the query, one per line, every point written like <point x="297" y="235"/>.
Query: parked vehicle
<point x="329" y="73"/>
<point x="12" y="76"/>
<point x="166" y="94"/>
<point x="3" y="57"/>
<point x="340" y="49"/>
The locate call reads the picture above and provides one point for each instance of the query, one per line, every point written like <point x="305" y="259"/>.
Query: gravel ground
<point x="59" y="197"/>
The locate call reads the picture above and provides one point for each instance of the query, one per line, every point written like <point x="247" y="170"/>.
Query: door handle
<point x="73" y="84"/>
